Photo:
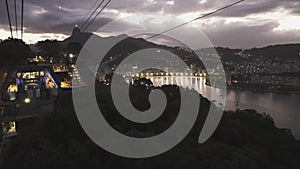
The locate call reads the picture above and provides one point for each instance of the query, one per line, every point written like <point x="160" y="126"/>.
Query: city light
<point x="27" y="100"/>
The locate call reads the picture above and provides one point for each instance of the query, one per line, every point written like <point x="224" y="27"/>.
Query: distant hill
<point x="275" y="52"/>
<point x="130" y="45"/>
<point x="226" y="54"/>
<point x="279" y="52"/>
<point x="283" y="51"/>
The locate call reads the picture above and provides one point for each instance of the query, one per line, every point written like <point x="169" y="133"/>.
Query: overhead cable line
<point x="90" y="11"/>
<point x="16" y="17"/>
<point x="96" y="15"/>
<point x="22" y="19"/>
<point x="85" y="22"/>
<point x="9" y="21"/>
<point x="200" y="17"/>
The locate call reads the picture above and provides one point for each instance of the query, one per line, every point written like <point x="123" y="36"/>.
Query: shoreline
<point x="256" y="90"/>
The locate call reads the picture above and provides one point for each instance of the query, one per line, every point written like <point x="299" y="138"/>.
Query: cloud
<point x="241" y="35"/>
<point x="256" y="7"/>
<point x="60" y="17"/>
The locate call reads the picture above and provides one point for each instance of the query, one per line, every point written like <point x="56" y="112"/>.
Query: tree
<point x="50" y="49"/>
<point x="73" y="48"/>
<point x="14" y="52"/>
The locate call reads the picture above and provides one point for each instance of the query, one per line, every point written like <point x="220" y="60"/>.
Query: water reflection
<point x="282" y="107"/>
<point x="193" y="83"/>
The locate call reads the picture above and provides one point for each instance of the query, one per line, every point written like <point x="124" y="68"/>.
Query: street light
<point x="27" y="100"/>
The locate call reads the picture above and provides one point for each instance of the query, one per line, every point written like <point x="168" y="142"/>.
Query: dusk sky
<point x="253" y="23"/>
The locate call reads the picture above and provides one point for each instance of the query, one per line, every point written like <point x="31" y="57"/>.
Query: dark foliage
<point x="244" y="139"/>
<point x="50" y="49"/>
<point x="13" y="52"/>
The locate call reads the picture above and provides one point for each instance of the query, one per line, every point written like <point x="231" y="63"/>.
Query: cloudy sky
<point x="253" y="23"/>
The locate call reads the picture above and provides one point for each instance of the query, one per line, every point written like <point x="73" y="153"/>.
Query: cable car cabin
<point x="33" y="90"/>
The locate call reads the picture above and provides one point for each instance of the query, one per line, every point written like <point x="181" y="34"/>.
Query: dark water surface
<point x="283" y="108"/>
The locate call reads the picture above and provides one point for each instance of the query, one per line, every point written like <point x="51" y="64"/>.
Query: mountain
<point x="283" y="51"/>
<point x="129" y="45"/>
<point x="78" y="37"/>
<point x="279" y="53"/>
